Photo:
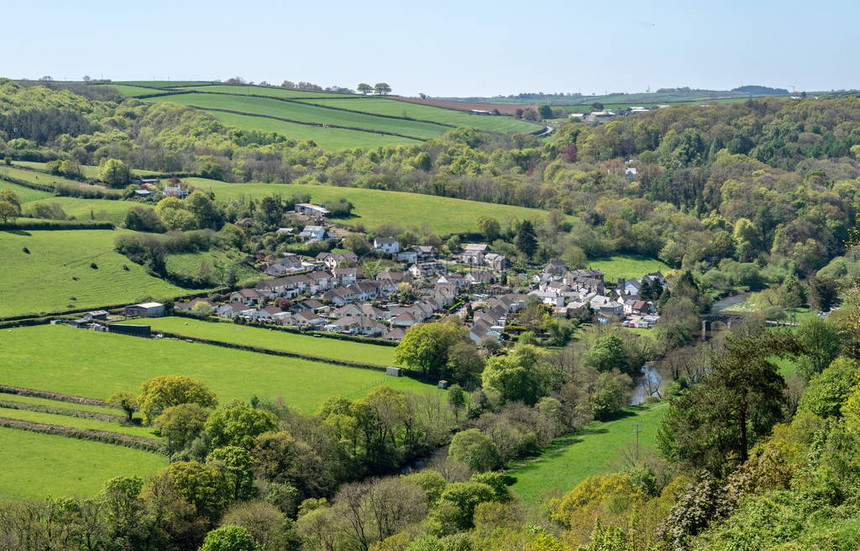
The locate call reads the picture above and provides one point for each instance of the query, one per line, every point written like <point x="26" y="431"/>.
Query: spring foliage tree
<point x="160" y="393"/>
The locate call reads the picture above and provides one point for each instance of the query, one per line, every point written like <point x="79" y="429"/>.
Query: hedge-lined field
<point x="395" y="108"/>
<point x="90" y="209"/>
<point x="376" y="207"/>
<point x="58" y="267"/>
<point x="41" y="465"/>
<point x="327" y="138"/>
<point x="75" y="422"/>
<point x="278" y="340"/>
<point x="86" y="363"/>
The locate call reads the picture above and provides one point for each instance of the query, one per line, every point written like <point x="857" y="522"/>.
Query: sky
<point x="442" y="47"/>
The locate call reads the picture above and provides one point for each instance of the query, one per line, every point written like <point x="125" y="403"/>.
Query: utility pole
<point x="637" y="430"/>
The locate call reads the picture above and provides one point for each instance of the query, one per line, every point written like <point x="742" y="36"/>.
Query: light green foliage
<point x="238" y="424"/>
<point x="457" y="505"/>
<point x="230" y="538"/>
<point x="606" y="354"/>
<point x="829" y="389"/>
<point x="236" y="465"/>
<point x="521" y="375"/>
<point x="202" y="486"/>
<point x="475" y="449"/>
<point x="822" y="344"/>
<point x="160" y="393"/>
<point x="124" y="400"/>
<point x="607" y="397"/>
<point x="181" y="423"/>
<point x="425" y="347"/>
<point x="114" y="173"/>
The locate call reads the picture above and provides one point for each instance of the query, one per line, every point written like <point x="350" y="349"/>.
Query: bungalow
<point x="395" y="335"/>
<point x="282" y="266"/>
<point x="313" y="233"/>
<point x="234" y="310"/>
<point x="248" y="297"/>
<point x="387" y="245"/>
<point x="192" y="305"/>
<point x="306" y="318"/>
<point x="268" y="313"/>
<point x="395" y="277"/>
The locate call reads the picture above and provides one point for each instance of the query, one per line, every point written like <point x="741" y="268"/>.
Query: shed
<point x="145" y="310"/>
<point x="130" y="330"/>
<point x="394" y="371"/>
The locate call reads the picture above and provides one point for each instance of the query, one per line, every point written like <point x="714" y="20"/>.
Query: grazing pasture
<point x="278" y="340"/>
<point x="90" y="209"/>
<point x="25" y="194"/>
<point x="375" y="207"/>
<point x="571" y="459"/>
<point x="95" y="365"/>
<point x="58" y="274"/>
<point x="76" y="422"/>
<point x="42" y="465"/>
<point x="264" y="91"/>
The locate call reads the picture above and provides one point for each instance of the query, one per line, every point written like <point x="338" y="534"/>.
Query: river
<point x="728" y="301"/>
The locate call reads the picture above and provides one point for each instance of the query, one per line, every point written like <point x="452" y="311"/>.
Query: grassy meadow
<point x="264" y="91"/>
<point x="76" y="422"/>
<point x="627" y="266"/>
<point x="278" y="340"/>
<point x="87" y="209"/>
<point x="87" y="363"/>
<point x="42" y="465"/>
<point x="591" y="451"/>
<point x="376" y="207"/>
<point x="57" y="275"/>
<point x="25" y="194"/>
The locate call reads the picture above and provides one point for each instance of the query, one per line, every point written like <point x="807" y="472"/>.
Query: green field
<point x="42" y="178"/>
<point x="396" y="108"/>
<point x="40" y="465"/>
<point x="42" y="281"/>
<point x="265" y="91"/>
<point x="25" y="194"/>
<point x="76" y="422"/>
<point x="57" y="404"/>
<point x="375" y="207"/>
<point x="327" y="138"/>
<point x="158" y="83"/>
<point x="627" y="266"/>
<point x="219" y="261"/>
<point x="87" y="363"/>
<point x="302" y="112"/>
<point x="571" y="459"/>
<point x="278" y="340"/>
<point x="95" y="209"/>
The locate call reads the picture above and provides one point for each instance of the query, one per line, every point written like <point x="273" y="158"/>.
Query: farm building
<point x="310" y="209"/>
<point x="131" y="330"/>
<point x="145" y="310"/>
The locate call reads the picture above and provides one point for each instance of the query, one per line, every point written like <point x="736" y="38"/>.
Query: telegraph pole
<point x="636" y="431"/>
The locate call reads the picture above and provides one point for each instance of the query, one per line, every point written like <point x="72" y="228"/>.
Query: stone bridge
<point x="723" y="317"/>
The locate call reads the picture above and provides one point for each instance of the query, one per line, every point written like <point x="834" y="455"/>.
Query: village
<point x="334" y="293"/>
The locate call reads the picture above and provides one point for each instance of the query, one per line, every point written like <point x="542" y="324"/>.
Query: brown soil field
<point x="505" y="109"/>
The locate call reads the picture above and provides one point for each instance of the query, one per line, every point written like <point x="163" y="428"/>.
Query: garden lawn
<point x="42" y="465"/>
<point x="628" y="266"/>
<point x="571" y="459"/>
<point x="278" y="340"/>
<point x="373" y="207"/>
<point x="76" y="422"/>
<point x="87" y="363"/>
<point x="42" y="280"/>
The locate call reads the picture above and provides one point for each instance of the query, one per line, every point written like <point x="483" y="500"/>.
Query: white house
<point x="386" y="245"/>
<point x="313" y="233"/>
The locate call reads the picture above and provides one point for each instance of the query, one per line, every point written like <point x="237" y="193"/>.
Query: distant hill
<point x="761" y="90"/>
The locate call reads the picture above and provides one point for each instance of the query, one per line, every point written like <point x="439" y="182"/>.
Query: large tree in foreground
<point x="425" y="347"/>
<point x="713" y="425"/>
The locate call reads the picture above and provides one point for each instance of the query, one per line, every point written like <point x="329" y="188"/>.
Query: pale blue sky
<point x="445" y="48"/>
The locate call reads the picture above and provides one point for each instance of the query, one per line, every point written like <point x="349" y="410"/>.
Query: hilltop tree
<point x="382" y="88"/>
<point x="364" y="88"/>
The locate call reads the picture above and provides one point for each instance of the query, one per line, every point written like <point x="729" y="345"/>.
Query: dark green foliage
<point x="526" y="239"/>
